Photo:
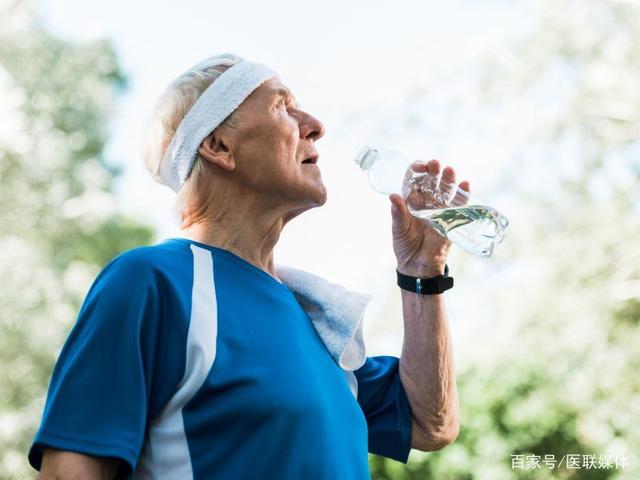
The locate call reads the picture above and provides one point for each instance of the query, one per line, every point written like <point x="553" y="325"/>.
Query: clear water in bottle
<point x="475" y="227"/>
<point x="485" y="226"/>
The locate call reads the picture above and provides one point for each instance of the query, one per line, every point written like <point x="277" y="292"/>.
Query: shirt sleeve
<point x="97" y="402"/>
<point x="386" y="407"/>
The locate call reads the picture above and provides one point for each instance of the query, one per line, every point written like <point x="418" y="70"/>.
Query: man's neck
<point x="251" y="236"/>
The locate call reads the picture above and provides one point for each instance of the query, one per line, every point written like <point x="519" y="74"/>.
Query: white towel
<point x="336" y="314"/>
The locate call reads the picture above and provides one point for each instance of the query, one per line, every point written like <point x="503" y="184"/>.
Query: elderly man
<point x="199" y="358"/>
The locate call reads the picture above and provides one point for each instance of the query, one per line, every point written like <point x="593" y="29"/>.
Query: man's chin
<point x="322" y="197"/>
<point x="314" y="199"/>
<point x="318" y="200"/>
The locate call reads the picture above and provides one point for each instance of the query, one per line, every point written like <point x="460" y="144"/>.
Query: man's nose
<point x="311" y="128"/>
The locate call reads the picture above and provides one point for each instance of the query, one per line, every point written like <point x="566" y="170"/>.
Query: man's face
<point x="272" y="140"/>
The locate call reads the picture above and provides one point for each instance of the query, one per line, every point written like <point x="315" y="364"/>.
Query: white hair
<point x="170" y="109"/>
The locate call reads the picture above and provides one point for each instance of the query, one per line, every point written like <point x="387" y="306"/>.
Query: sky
<point x="341" y="60"/>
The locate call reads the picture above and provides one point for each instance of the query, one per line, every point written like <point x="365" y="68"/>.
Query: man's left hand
<point x="421" y="251"/>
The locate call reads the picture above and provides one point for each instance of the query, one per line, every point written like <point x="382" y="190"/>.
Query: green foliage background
<point x="555" y="372"/>
<point x="60" y="223"/>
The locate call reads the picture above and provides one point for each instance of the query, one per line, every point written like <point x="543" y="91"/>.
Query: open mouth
<point x="312" y="160"/>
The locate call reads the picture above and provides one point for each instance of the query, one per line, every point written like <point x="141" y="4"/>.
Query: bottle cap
<point x="365" y="157"/>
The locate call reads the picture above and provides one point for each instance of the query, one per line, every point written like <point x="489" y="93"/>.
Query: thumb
<point x="399" y="212"/>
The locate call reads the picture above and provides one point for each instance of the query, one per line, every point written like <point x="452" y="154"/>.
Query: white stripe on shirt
<point x="166" y="456"/>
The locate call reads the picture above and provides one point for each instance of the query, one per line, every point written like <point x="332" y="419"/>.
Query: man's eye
<point x="287" y="103"/>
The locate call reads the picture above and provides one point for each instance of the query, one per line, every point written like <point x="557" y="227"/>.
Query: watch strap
<point x="426" y="286"/>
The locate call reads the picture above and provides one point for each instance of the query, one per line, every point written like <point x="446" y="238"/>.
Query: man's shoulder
<point x="143" y="267"/>
<point x="155" y="279"/>
<point x="148" y="259"/>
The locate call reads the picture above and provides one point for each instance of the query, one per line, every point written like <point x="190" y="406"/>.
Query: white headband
<point x="217" y="102"/>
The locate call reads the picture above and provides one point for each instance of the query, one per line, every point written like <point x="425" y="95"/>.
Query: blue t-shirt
<point x="187" y="361"/>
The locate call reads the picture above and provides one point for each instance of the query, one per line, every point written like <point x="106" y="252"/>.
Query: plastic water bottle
<point x="453" y="212"/>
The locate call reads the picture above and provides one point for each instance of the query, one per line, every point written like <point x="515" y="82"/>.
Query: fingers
<point x="397" y="202"/>
<point x="419" y="166"/>
<point x="413" y="188"/>
<point x="440" y="188"/>
<point x="447" y="187"/>
<point x="399" y="213"/>
<point x="433" y="167"/>
<point x="462" y="194"/>
<point x="448" y="176"/>
<point x="421" y="185"/>
<point x="430" y="189"/>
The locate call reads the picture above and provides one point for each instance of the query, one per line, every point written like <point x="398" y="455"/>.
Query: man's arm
<point x="62" y="465"/>
<point x="426" y="364"/>
<point x="427" y="371"/>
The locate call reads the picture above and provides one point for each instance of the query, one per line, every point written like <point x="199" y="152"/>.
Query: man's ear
<point x="215" y="149"/>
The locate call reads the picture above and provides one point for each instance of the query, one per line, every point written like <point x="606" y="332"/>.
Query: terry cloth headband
<point x="217" y="102"/>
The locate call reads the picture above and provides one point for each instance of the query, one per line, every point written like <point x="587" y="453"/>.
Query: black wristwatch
<point x="426" y="286"/>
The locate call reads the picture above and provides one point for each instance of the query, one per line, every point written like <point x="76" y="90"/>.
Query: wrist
<point x="421" y="271"/>
<point x="432" y="285"/>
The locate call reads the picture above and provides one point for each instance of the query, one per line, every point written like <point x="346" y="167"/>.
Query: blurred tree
<point x="555" y="371"/>
<point x="60" y="223"/>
